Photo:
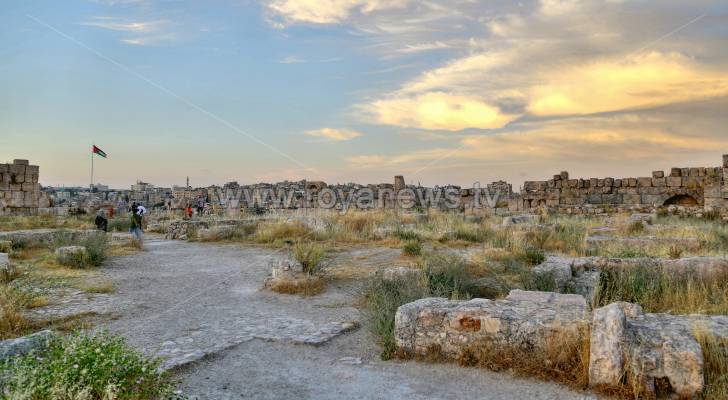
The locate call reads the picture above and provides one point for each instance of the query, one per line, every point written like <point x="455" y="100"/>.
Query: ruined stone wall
<point x="19" y="188"/>
<point x="703" y="188"/>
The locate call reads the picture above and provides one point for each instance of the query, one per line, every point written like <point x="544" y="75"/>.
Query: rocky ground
<point x="201" y="307"/>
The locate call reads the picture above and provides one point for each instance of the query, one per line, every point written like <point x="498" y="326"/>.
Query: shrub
<point x="674" y="252"/>
<point x="309" y="286"/>
<point x="412" y="248"/>
<point x="86" y="367"/>
<point x="540" y="282"/>
<point x="119" y="224"/>
<point x="474" y="234"/>
<point x="406" y="235"/>
<point x="96" y="247"/>
<point x="310" y="256"/>
<point x="382" y="298"/>
<point x="447" y="277"/>
<point x="635" y="228"/>
<point x="534" y="256"/>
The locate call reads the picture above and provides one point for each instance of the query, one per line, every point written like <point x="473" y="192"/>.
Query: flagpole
<point x="92" y="169"/>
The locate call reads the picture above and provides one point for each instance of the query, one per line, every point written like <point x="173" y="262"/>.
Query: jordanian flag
<point x="98" y="151"/>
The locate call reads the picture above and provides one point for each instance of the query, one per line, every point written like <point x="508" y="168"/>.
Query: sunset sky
<point x="453" y="91"/>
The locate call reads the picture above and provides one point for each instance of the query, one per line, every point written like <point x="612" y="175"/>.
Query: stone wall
<point x="703" y="188"/>
<point x="19" y="188"/>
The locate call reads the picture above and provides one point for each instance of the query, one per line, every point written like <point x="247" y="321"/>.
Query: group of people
<point x="136" y="226"/>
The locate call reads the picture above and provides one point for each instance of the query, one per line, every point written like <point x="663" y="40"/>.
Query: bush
<point x="412" y="248"/>
<point x="447" y="277"/>
<point x="539" y="282"/>
<point x="119" y="224"/>
<point x="86" y="367"/>
<point x="472" y="234"/>
<point x="310" y="256"/>
<point x="406" y="235"/>
<point x="382" y="299"/>
<point x="95" y="254"/>
<point x="534" y="256"/>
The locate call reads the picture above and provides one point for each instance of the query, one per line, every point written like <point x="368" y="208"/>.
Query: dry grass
<point x="657" y="290"/>
<point x="306" y="287"/>
<point x="12" y="321"/>
<point x="563" y="357"/>
<point x="15" y="223"/>
<point x="715" y="359"/>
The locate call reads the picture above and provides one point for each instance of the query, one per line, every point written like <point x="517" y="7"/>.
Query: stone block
<point x="564" y="175"/>
<point x="18" y="161"/>
<point x="24" y="345"/>
<point x="573" y="183"/>
<point x="701" y="171"/>
<point x="685" y="172"/>
<point x="675" y="172"/>
<point x="632" y="182"/>
<point x="609" y="182"/>
<point x="32" y="169"/>
<point x="659" y="346"/>
<point x="644" y="182"/>
<point x="3" y="168"/>
<point x="691" y="183"/>
<point x="16" y="169"/>
<point x="658" y="174"/>
<point x="694" y="172"/>
<point x="674" y="181"/>
<point x="659" y="182"/>
<point x="70" y="255"/>
<point x="725" y="160"/>
<point x="618" y="183"/>
<point x="18" y="178"/>
<point x="523" y="320"/>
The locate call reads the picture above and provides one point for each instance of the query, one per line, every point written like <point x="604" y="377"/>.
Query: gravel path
<point x="200" y="307"/>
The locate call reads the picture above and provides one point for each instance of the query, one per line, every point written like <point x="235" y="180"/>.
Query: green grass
<point x="96" y="249"/>
<point x="412" y="248"/>
<point x="86" y="367"/>
<point x="310" y="255"/>
<point x="657" y="290"/>
<point x="382" y="298"/>
<point x="447" y="276"/>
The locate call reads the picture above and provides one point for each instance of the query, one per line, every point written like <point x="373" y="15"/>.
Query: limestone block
<point x="523" y="320"/>
<point x="609" y="182"/>
<point x="725" y="160"/>
<point x="632" y="182"/>
<point x="658" y="174"/>
<point x="651" y="346"/>
<point x="16" y="169"/>
<point x="701" y="171"/>
<point x="685" y="172"/>
<point x="565" y="175"/>
<point x="654" y="199"/>
<point x="573" y="183"/>
<point x="394" y="273"/>
<point x="24" y="345"/>
<point x="659" y="182"/>
<point x="32" y="169"/>
<point x="3" y="168"/>
<point x="19" y="161"/>
<point x="694" y="172"/>
<point x="618" y="182"/>
<point x="4" y="186"/>
<point x="644" y="182"/>
<point x="676" y="172"/>
<point x="674" y="181"/>
<point x="18" y="178"/>
<point x="70" y="255"/>
<point x="691" y="183"/>
<point x="593" y="182"/>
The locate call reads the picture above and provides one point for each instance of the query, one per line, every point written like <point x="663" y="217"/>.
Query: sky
<point x="457" y="91"/>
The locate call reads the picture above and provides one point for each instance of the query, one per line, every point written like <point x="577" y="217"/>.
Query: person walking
<point x="135" y="226"/>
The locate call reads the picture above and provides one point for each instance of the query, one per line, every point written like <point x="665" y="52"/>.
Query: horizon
<point x="362" y="90"/>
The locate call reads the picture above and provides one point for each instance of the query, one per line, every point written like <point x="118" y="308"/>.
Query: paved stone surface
<point x="201" y="307"/>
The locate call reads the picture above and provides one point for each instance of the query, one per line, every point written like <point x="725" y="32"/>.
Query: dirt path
<point x="200" y="307"/>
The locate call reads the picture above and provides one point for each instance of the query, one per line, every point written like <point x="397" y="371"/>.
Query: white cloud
<point x="291" y="60"/>
<point x="334" y="134"/>
<point x="327" y="11"/>
<point x="133" y="27"/>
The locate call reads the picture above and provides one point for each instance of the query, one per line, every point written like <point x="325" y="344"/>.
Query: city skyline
<point x="361" y="90"/>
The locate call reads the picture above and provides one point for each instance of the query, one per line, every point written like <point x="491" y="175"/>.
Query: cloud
<point x="142" y="32"/>
<point x="422" y="47"/>
<point x="327" y="11"/>
<point x="291" y="60"/>
<point x="641" y="81"/>
<point x="438" y="110"/>
<point x="334" y="134"/>
<point x="133" y="27"/>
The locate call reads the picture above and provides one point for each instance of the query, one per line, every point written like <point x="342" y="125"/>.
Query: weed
<point x="310" y="256"/>
<point x="447" y="276"/>
<point x="382" y="299"/>
<point x="88" y="367"/>
<point x="406" y="235"/>
<point x="715" y="365"/>
<point x="412" y="248"/>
